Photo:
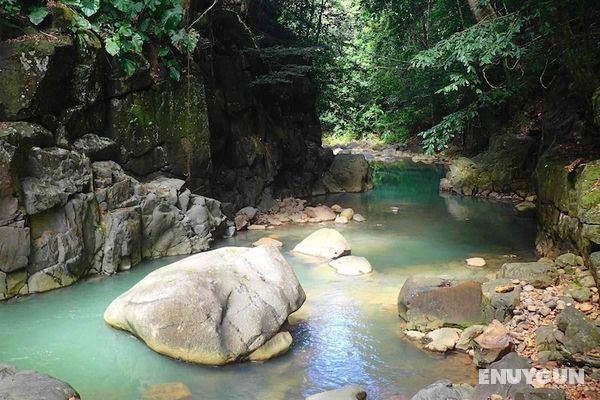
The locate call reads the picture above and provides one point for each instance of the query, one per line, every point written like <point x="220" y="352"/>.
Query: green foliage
<point x="9" y="9"/>
<point x="126" y="27"/>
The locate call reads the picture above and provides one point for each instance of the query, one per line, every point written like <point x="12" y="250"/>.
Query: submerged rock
<point x="326" y="243"/>
<point x="267" y="241"/>
<point x="351" y="265"/>
<point x="444" y="389"/>
<point x="30" y="385"/>
<point x="428" y="303"/>
<point x="350" y="392"/>
<point x="211" y="308"/>
<point x="274" y="347"/>
<point x="168" y="391"/>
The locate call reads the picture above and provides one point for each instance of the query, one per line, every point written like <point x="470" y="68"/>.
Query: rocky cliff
<point x="99" y="171"/>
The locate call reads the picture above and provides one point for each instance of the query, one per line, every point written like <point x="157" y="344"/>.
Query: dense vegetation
<point x="395" y="69"/>
<point x="400" y="68"/>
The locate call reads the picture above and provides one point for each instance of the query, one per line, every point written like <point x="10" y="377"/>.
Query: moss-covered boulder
<point x="34" y="70"/>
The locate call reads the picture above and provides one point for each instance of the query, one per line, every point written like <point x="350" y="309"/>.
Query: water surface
<point x="347" y="331"/>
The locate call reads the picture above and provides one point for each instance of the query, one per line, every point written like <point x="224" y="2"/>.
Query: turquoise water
<point x="347" y="331"/>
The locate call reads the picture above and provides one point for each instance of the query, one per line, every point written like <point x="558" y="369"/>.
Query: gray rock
<point x="579" y="293"/>
<point x="499" y="306"/>
<point x="14" y="248"/>
<point x="428" y="303"/>
<point x="113" y="187"/>
<point x="350" y="392"/>
<point x="9" y="185"/>
<point x="525" y="207"/>
<point x="53" y="175"/>
<point x="442" y="339"/>
<point x="581" y="342"/>
<point x="547" y="341"/>
<point x="326" y="243"/>
<point x="211" y="308"/>
<point x="510" y="361"/>
<point x="540" y="394"/>
<point x="123" y="243"/>
<point x="466" y="338"/>
<point x="540" y="275"/>
<point x="567" y="260"/>
<point x="67" y="238"/>
<point x="348" y="173"/>
<point x="97" y="148"/>
<point x="50" y="278"/>
<point x="444" y="389"/>
<point x="249" y="212"/>
<point x="274" y="347"/>
<point x="26" y="135"/>
<point x="30" y="385"/>
<point x="595" y="267"/>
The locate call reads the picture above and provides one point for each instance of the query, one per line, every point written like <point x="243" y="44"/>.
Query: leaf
<point x="112" y="46"/>
<point x="89" y="7"/>
<point x="174" y="73"/>
<point x="37" y="15"/>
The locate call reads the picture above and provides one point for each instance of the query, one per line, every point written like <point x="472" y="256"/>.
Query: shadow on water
<point x="347" y="331"/>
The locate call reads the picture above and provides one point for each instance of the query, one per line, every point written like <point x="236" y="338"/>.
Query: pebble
<point x="586" y="307"/>
<point x="560" y="305"/>
<point x="532" y="308"/>
<point x="504" y="288"/>
<point x="516" y="281"/>
<point x="528" y="288"/>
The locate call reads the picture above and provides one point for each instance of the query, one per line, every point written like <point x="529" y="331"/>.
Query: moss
<point x="588" y="193"/>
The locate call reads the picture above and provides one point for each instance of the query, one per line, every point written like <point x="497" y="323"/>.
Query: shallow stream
<point x="347" y="331"/>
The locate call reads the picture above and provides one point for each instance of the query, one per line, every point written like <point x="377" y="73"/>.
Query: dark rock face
<point x="30" y="385"/>
<point x="512" y="361"/>
<point x="265" y="133"/>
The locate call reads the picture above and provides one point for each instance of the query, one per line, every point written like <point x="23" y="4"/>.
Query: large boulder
<point x="485" y="389"/>
<point x="538" y="274"/>
<point x="14" y="248"/>
<point x="348" y="173"/>
<point x="211" y="308"/>
<point x="30" y="385"/>
<point x="444" y="389"/>
<point x="581" y="341"/>
<point x="428" y="303"/>
<point x="97" y="148"/>
<point x="326" y="243"/>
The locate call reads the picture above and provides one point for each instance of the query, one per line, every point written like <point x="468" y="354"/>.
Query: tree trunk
<point x="481" y="12"/>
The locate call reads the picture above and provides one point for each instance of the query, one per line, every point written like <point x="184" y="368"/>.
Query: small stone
<point x="504" y="288"/>
<point x="528" y="288"/>
<point x="560" y="305"/>
<point x="545" y="311"/>
<point x="414" y="335"/>
<point x="341" y="220"/>
<point x="359" y="218"/>
<point x="168" y="391"/>
<point x="476" y="262"/>
<point x="443" y="339"/>
<point x="337" y="208"/>
<point x="348" y="213"/>
<point x="586" y="307"/>
<point x="267" y="241"/>
<point x="257" y="227"/>
<point x="532" y="308"/>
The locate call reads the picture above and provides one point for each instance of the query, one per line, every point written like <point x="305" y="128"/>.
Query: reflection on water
<point x="347" y="332"/>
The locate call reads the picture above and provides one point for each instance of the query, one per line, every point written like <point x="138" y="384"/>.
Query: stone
<point x="123" y="240"/>
<point x="442" y="339"/>
<point x="320" y="213"/>
<point x="415" y="335"/>
<point x="358" y="218"/>
<point x="217" y="307"/>
<point x="15" y="282"/>
<point x="579" y="293"/>
<point x="325" y="243"/>
<point x="65" y="242"/>
<point x="581" y="342"/>
<point x="351" y="265"/>
<point x="525" y="207"/>
<point x="341" y="220"/>
<point x="491" y="345"/>
<point x="97" y="148"/>
<point x="350" y="392"/>
<point x="336" y="208"/>
<point x="476" y="262"/>
<point x="274" y="347"/>
<point x="25" y="135"/>
<point x="31" y="385"/>
<point x="249" y="212"/>
<point x="444" y="389"/>
<point x="14" y="248"/>
<point x="257" y="227"/>
<point x="466" y="337"/>
<point x="586" y="307"/>
<point x="428" y="303"/>
<point x="241" y="222"/>
<point x="51" y="176"/>
<point x="347" y="213"/>
<point x="566" y="260"/>
<point x="168" y="391"/>
<point x="348" y="173"/>
<point x="511" y="361"/>
<point x="539" y="394"/>
<point x="500" y="298"/>
<point x="267" y="241"/>
<point x="540" y="275"/>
